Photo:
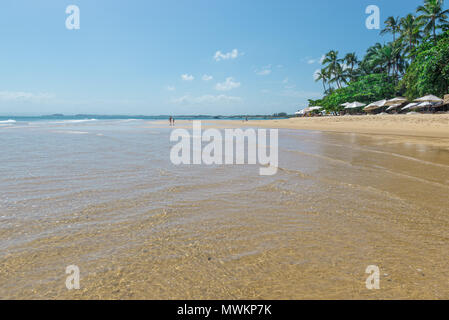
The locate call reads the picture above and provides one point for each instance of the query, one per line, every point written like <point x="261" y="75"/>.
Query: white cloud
<point x="204" y="99"/>
<point x="187" y="77"/>
<point x="207" y="77"/>
<point x="226" y="56"/>
<point x="287" y="85"/>
<point x="170" y="88"/>
<point x="20" y="96"/>
<point x="316" y="60"/>
<point x="229" y="84"/>
<point x="264" y="71"/>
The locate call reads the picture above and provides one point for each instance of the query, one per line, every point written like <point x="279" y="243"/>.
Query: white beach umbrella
<point x="428" y="104"/>
<point x="394" y="106"/>
<point x="315" y="108"/>
<point x="354" y="105"/>
<point x="397" y="100"/>
<point x="423" y="105"/>
<point x="301" y="112"/>
<point x="375" y="105"/>
<point x="345" y="104"/>
<point x="410" y="105"/>
<point x="429" y="98"/>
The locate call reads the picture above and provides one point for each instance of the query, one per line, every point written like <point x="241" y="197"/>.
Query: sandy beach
<point x="423" y="129"/>
<point x="413" y="125"/>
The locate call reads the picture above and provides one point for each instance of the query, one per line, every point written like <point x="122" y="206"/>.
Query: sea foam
<point x="8" y="121"/>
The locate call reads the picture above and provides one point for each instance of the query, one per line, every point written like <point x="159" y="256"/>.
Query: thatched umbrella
<point x="397" y="100"/>
<point x="355" y="105"/>
<point x="394" y="106"/>
<point x="375" y="105"/>
<point x="429" y="98"/>
<point x="423" y="105"/>
<point x="409" y="106"/>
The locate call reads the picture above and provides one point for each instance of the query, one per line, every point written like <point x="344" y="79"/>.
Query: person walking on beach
<point x="170" y="120"/>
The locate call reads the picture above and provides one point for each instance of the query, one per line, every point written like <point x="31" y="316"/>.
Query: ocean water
<point x="83" y="118"/>
<point x="102" y="194"/>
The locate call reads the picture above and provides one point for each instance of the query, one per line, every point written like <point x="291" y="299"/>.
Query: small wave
<point x="8" y="121"/>
<point x="129" y="120"/>
<point x="72" y="132"/>
<point x="77" y="121"/>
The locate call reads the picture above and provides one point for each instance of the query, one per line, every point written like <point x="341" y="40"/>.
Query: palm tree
<point x="431" y="13"/>
<point x="331" y="59"/>
<point x="410" y="33"/>
<point x="341" y="75"/>
<point x="391" y="26"/>
<point x="323" y="76"/>
<point x="398" y="59"/>
<point x="371" y="61"/>
<point x="386" y="57"/>
<point x="351" y="60"/>
<point x="333" y="66"/>
<point x="380" y="59"/>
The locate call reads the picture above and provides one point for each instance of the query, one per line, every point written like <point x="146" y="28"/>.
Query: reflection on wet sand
<point x="110" y="202"/>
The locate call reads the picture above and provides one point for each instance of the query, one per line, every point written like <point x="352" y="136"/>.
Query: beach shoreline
<point x="414" y="125"/>
<point x="428" y="129"/>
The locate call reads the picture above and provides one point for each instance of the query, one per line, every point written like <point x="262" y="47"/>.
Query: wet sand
<point x="138" y="227"/>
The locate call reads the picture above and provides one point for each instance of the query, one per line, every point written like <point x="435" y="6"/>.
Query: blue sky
<point x="160" y="57"/>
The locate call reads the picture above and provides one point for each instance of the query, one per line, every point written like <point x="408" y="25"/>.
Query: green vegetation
<point x="429" y="71"/>
<point x="366" y="89"/>
<point x="414" y="64"/>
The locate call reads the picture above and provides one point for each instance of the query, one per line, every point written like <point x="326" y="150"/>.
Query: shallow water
<point x="103" y="195"/>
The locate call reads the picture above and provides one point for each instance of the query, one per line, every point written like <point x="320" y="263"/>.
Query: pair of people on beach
<point x="172" y="121"/>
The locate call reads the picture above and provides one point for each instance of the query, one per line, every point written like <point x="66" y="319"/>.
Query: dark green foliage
<point x="366" y="90"/>
<point x="429" y="72"/>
